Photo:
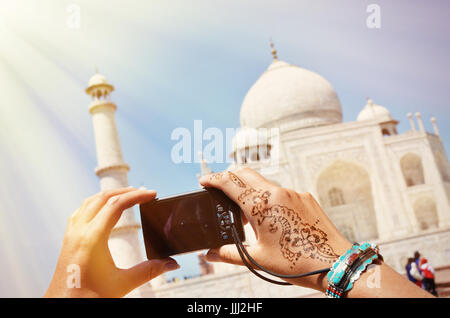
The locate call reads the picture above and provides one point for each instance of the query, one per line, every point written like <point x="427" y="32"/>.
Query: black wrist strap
<point x="245" y="255"/>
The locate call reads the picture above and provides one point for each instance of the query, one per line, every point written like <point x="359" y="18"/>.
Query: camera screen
<point x="180" y="224"/>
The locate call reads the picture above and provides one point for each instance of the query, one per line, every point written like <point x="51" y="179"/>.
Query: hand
<point x="293" y="233"/>
<point x="85" y="245"/>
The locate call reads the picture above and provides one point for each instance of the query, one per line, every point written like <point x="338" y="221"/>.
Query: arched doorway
<point x="412" y="169"/>
<point x="426" y="213"/>
<point x="346" y="196"/>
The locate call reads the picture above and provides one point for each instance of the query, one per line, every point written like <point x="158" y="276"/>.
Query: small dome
<point x="373" y="111"/>
<point x="249" y="137"/>
<point x="98" y="85"/>
<point x="290" y="95"/>
<point x="97" y="79"/>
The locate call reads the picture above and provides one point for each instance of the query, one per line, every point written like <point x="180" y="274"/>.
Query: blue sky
<point x="173" y="62"/>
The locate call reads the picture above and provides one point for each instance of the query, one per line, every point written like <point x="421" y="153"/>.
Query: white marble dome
<point x="98" y="86"/>
<point x="373" y="111"/>
<point x="97" y="79"/>
<point x="290" y="97"/>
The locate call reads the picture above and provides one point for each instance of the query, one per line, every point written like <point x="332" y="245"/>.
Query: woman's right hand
<point x="293" y="233"/>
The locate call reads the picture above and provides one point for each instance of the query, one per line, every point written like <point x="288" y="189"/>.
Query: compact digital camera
<point x="189" y="222"/>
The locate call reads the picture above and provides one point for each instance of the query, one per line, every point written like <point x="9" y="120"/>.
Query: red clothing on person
<point x="427" y="270"/>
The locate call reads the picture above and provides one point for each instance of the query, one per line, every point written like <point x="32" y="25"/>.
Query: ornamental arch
<point x="426" y="212"/>
<point x="412" y="169"/>
<point x="345" y="193"/>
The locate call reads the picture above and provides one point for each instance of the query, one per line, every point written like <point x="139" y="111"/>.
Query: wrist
<point x="65" y="292"/>
<point x="320" y="282"/>
<point x="349" y="268"/>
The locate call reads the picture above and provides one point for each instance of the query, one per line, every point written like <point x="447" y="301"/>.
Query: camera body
<point x="189" y="222"/>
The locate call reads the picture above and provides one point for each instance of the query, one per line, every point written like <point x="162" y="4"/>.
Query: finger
<point x="93" y="204"/>
<point x="147" y="270"/>
<point x="233" y="183"/>
<point x="252" y="177"/>
<point x="74" y="216"/>
<point x="110" y="213"/>
<point x="229" y="254"/>
<point x="222" y="182"/>
<point x="241" y="186"/>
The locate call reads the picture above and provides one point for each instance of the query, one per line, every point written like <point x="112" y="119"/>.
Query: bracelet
<point x="348" y="268"/>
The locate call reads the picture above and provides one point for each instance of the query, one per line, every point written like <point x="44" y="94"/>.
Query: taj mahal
<point x="374" y="182"/>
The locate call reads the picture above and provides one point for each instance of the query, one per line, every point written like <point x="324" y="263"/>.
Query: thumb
<point x="229" y="254"/>
<point x="147" y="270"/>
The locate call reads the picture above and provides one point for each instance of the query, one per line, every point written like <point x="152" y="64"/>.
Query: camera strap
<point x="247" y="259"/>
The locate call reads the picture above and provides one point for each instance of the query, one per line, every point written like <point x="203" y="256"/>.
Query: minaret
<point x="411" y="122"/>
<point x="419" y="120"/>
<point x="113" y="173"/>
<point x="205" y="169"/>
<point x="435" y="127"/>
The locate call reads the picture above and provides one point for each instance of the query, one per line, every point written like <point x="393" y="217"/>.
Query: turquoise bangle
<point x="348" y="268"/>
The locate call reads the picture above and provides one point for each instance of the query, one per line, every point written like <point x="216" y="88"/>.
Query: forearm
<point x="380" y="281"/>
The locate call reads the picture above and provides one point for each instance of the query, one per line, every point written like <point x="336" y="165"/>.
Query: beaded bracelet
<point x="348" y="268"/>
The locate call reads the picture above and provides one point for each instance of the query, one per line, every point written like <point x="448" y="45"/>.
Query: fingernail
<point x="172" y="265"/>
<point x="130" y="187"/>
<point x="142" y="188"/>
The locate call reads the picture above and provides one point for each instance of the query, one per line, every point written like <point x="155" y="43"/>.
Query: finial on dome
<point x="371" y="105"/>
<point x="274" y="52"/>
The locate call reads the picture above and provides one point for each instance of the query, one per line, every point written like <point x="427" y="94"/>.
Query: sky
<point x="173" y="62"/>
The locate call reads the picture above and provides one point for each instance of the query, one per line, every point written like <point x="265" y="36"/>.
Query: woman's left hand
<point x="85" y="249"/>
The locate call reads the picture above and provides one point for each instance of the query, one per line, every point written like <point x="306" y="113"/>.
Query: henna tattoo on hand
<point x="244" y="194"/>
<point x="298" y="239"/>
<point x="235" y="179"/>
<point x="216" y="176"/>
